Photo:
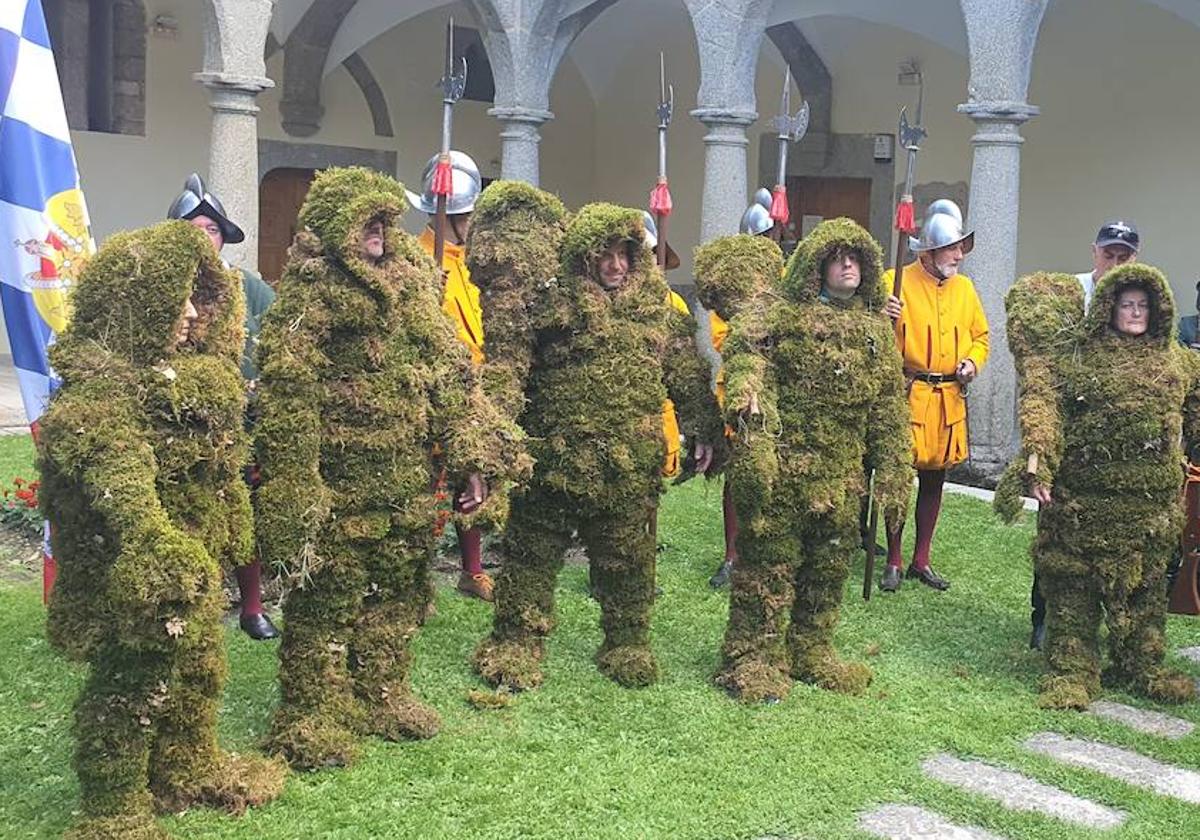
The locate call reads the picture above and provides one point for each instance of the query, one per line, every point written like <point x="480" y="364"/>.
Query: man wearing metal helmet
<point x="205" y="211"/>
<point x="943" y="335"/>
<point x="460" y="302"/>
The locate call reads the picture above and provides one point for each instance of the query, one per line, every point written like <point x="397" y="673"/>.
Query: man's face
<point x="944" y="262"/>
<point x="211" y="229"/>
<point x="1131" y="315"/>
<point x="614" y="266"/>
<point x="372" y="240"/>
<point x="842" y="274"/>
<point x="1110" y="256"/>
<point x="187" y="319"/>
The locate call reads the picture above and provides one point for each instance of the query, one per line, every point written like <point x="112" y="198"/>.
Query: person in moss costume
<point x="1103" y="406"/>
<point x="361" y="376"/>
<point x="141" y="456"/>
<point x="815" y="390"/>
<point x="603" y="348"/>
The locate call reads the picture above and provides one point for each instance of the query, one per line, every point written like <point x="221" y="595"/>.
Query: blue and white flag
<point x="45" y="234"/>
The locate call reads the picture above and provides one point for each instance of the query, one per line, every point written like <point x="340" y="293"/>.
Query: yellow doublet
<point x="670" y="421"/>
<point x="460" y="300"/>
<point x="940" y="325"/>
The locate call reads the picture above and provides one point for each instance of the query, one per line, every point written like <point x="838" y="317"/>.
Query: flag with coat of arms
<point x="45" y="234"/>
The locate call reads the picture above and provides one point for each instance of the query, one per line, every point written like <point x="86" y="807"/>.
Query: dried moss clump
<point x="512" y="254"/>
<point x="601" y="365"/>
<point x="1105" y="540"/>
<point x="141" y="454"/>
<point x="816" y="394"/>
<point x="1045" y="313"/>
<point x="361" y="376"/>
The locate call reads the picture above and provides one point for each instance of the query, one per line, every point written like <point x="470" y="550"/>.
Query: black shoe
<point x="928" y="577"/>
<point x="722" y="576"/>
<point x="258" y="626"/>
<point x="890" y="581"/>
<point x="1037" y="639"/>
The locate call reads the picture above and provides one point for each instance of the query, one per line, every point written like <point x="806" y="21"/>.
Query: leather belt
<point x="931" y="378"/>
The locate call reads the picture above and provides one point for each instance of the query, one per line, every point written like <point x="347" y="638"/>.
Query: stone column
<point x="993" y="215"/>
<point x="1001" y="39"/>
<point x="235" y="73"/>
<point x="520" y="138"/>
<point x="725" y="165"/>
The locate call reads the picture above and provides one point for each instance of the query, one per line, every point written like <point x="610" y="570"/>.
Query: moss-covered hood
<point x="732" y="270"/>
<point x="343" y="199"/>
<point x="594" y="228"/>
<point x="802" y="280"/>
<point x="1161" y="329"/>
<point x="131" y="295"/>
<point x="1044" y="313"/>
<point x="515" y="229"/>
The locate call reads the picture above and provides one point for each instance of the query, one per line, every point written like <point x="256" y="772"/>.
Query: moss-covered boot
<point x="311" y="741"/>
<point x="1067" y="691"/>
<point x="236" y="782"/>
<point x="632" y="666"/>
<point x="509" y="663"/>
<point x="752" y="679"/>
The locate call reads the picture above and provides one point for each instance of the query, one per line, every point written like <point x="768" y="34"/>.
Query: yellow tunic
<point x="940" y="325"/>
<point x="671" y="462"/>
<point x="460" y="300"/>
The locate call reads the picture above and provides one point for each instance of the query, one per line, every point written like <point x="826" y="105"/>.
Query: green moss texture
<point x="141" y="454"/>
<point x="815" y="393"/>
<point x="1105" y="412"/>
<point x="362" y="377"/>
<point x="600" y="365"/>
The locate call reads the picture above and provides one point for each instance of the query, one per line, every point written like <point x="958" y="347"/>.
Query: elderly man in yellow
<point x="943" y="335"/>
<point x="460" y="302"/>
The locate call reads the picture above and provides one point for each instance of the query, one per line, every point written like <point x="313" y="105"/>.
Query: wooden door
<point x="280" y="195"/>
<point x="827" y="198"/>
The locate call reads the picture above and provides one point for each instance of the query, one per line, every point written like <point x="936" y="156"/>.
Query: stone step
<point x="1143" y="720"/>
<point x="908" y="822"/>
<point x="1116" y="763"/>
<point x="1192" y="653"/>
<point x="1018" y="792"/>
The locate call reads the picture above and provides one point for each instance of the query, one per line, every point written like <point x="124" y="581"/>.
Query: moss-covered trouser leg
<point x="620" y="547"/>
<point x="535" y="540"/>
<point x="754" y="664"/>
<point x="1135" y="601"/>
<point x="114" y="724"/>
<point x="398" y="593"/>
<point x="1072" y="591"/>
<point x="317" y="717"/>
<point x="829" y="541"/>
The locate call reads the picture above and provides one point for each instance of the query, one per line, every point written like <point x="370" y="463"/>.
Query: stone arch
<point x="100" y="51"/>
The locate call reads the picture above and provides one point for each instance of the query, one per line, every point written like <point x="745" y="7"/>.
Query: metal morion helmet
<point x="196" y="200"/>
<point x="756" y="220"/>
<point x="944" y="205"/>
<point x="652" y="240"/>
<point x="763" y="196"/>
<point x="465" y="181"/>
<point x="943" y="227"/>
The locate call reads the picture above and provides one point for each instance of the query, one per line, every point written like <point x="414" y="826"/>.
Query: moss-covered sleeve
<point x="292" y="499"/>
<point x="889" y="432"/>
<point x="1191" y="405"/>
<point x="96" y="437"/>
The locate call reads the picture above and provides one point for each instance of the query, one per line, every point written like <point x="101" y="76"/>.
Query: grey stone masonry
<point x="235" y="34"/>
<point x="1192" y="653"/>
<point x="1143" y="720"/>
<point x="1117" y="763"/>
<point x="1001" y="37"/>
<point x="1019" y="793"/>
<point x="908" y="822"/>
<point x="525" y="42"/>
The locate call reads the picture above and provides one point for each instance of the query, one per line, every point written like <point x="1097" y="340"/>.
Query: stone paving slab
<point x="1124" y="765"/>
<point x="1143" y="720"/>
<point x="1018" y="792"/>
<point x="1192" y="653"/>
<point x="908" y="822"/>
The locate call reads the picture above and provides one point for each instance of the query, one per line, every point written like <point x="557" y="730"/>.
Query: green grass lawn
<point x="582" y="758"/>
<point x="16" y="459"/>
